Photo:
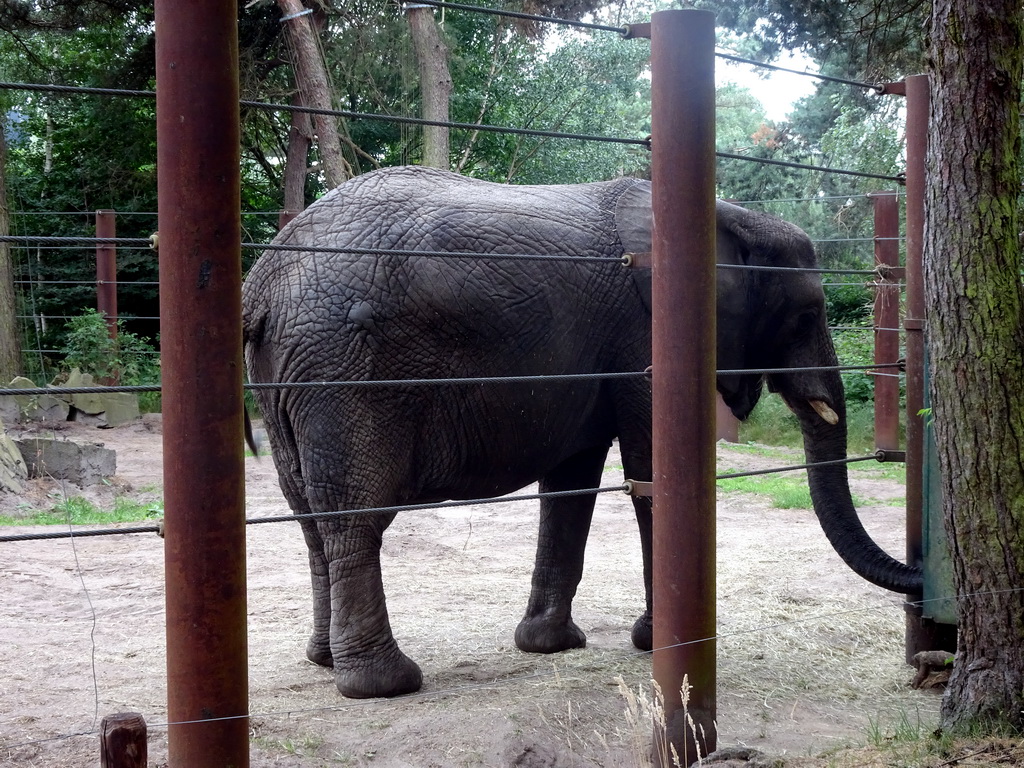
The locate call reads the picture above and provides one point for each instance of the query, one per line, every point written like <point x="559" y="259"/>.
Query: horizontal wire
<point x="646" y="142"/>
<point x="298" y="518"/>
<point x="126" y="318"/>
<point x="815" y="75"/>
<point x="821" y="198"/>
<point x="85" y="282"/>
<point x="473" y="380"/>
<point x="879" y="456"/>
<point x="519" y="15"/>
<point x="808" y="167"/>
<point x="361" y="251"/>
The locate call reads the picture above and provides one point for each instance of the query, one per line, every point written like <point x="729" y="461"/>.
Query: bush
<point x="89" y="348"/>
<point x="856" y="347"/>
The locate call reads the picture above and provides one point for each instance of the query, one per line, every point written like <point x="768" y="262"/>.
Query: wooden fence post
<point x="123" y="741"/>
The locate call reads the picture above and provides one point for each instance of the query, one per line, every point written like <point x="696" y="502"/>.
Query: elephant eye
<point x="806" y="322"/>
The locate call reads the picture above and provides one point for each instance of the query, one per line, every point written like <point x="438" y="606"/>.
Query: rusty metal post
<point x="683" y="338"/>
<point x="922" y="634"/>
<point x="201" y="340"/>
<point x="106" y="270"/>
<point x="913" y="323"/>
<point x="887" y="318"/>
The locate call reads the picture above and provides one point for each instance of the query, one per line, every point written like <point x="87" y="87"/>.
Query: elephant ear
<point x="634" y="220"/>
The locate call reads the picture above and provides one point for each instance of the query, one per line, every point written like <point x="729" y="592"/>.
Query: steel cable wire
<point x="645" y="142"/>
<point x="880" y="456"/>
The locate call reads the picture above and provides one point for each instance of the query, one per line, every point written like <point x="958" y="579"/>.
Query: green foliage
<point x="856" y="347"/>
<point x="77" y="510"/>
<point x="878" y="38"/>
<point x="130" y="358"/>
<point x="583" y="86"/>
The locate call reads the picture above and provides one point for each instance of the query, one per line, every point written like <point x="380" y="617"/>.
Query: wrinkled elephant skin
<point x="312" y="317"/>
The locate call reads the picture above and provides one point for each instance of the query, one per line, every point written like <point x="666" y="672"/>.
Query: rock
<point x="741" y="757"/>
<point x="933" y="669"/>
<point x="13" y="471"/>
<point x="90" y="404"/>
<point x="45" y="408"/>
<point x="120" y="407"/>
<point x="80" y="463"/>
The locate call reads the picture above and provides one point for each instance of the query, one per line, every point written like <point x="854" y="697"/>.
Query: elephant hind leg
<point x="318" y="649"/>
<point x="547" y="626"/>
<point x="367" y="660"/>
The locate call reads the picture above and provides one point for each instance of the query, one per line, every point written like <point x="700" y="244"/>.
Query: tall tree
<point x="976" y="334"/>
<point x="314" y="86"/>
<point x="435" y="81"/>
<point x="10" y="347"/>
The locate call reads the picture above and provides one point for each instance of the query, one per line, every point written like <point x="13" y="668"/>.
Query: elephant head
<point x="771" y="315"/>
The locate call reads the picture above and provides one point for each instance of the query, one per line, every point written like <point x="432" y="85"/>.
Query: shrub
<point x="88" y="347"/>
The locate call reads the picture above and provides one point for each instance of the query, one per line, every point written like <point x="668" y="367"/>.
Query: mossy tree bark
<point x="976" y="344"/>
<point x="313" y="84"/>
<point x="435" y="82"/>
<point x="10" y="346"/>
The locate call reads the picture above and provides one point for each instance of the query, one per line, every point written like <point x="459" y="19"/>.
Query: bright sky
<point x="779" y="90"/>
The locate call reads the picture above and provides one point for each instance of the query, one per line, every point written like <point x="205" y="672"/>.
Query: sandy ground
<point x="810" y="657"/>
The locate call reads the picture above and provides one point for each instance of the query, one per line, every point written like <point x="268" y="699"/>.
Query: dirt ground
<point x="810" y="656"/>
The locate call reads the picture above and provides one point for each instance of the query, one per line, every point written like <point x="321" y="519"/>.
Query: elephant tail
<point x="250" y="439"/>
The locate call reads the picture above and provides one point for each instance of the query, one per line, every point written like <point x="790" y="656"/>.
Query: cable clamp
<point x="160" y="528"/>
<point x="633" y="31"/>
<point x="154" y="241"/>
<point x="889" y="272"/>
<point x="639" y="488"/>
<point x="883" y="455"/>
<point x="640" y="260"/>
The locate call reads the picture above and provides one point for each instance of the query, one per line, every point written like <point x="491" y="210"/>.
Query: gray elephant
<point x="312" y="317"/>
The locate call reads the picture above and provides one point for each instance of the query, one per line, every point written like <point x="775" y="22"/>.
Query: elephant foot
<point x="378" y="675"/>
<point x="319" y="652"/>
<point x="643" y="633"/>
<point x="544" y="634"/>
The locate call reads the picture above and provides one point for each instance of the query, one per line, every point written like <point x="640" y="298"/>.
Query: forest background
<point x="68" y="155"/>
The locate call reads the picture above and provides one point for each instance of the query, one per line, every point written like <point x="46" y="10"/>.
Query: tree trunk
<point x="10" y="337"/>
<point x="314" y="87"/>
<point x="976" y="334"/>
<point x="435" y="82"/>
<point x="296" y="165"/>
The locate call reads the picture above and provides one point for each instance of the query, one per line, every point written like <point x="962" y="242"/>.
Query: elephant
<point x="362" y="316"/>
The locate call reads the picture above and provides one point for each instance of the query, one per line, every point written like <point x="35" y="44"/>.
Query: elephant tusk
<point x="824" y="411"/>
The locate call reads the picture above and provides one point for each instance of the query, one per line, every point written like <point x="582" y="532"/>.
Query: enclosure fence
<point x="886" y="279"/>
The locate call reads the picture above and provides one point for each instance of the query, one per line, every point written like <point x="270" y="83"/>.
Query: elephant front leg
<point x="643" y="629"/>
<point x="367" y="661"/>
<point x="547" y="626"/>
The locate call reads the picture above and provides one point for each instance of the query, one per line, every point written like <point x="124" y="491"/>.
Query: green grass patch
<point x="785" y="491"/>
<point x="77" y="510"/>
<point x="772" y="423"/>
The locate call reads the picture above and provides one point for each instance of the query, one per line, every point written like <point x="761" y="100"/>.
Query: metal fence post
<point x="200" y="310"/>
<point x="683" y="338"/>
<point x="922" y="634"/>
<point x="887" y="317"/>
<point x="106" y="270"/>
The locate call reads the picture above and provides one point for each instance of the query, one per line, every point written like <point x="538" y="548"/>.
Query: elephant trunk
<point x="833" y="504"/>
